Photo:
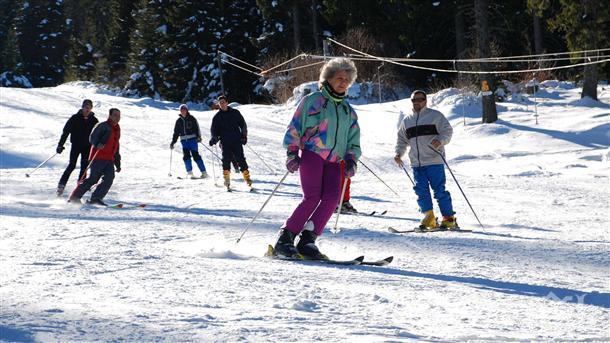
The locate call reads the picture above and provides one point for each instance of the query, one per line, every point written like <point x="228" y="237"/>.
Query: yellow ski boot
<point x="429" y="222"/>
<point x="226" y="174"/>
<point x="247" y="178"/>
<point x="449" y="223"/>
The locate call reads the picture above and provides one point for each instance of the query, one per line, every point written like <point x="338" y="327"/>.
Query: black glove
<point x="171" y="146"/>
<point x="59" y="149"/>
<point x="118" y="169"/>
<point x="198" y="139"/>
<point x="244" y="140"/>
<point x="213" y="141"/>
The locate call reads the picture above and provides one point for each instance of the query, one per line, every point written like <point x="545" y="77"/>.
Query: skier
<point x="422" y="130"/>
<point x="187" y="128"/>
<point x="105" y="157"/>
<point x="346" y="205"/>
<point x="229" y="127"/>
<point x="324" y="128"/>
<point x="79" y="128"/>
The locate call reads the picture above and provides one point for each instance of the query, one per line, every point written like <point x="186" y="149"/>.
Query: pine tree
<point x="585" y="25"/>
<point x="147" y="59"/>
<point x="42" y="40"/>
<point x="121" y="26"/>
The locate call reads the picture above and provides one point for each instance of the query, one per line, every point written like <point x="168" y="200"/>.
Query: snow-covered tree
<point x="42" y="40"/>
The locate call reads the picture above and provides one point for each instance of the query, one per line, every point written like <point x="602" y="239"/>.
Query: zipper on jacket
<point x="336" y="129"/>
<point x="417" y="137"/>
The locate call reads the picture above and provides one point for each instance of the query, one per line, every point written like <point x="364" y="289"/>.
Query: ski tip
<point x="359" y="259"/>
<point x="118" y="206"/>
<point x="392" y="230"/>
<point x="142" y="205"/>
<point x="384" y="212"/>
<point x="389" y="259"/>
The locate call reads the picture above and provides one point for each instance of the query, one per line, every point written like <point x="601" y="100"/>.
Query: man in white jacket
<point x="423" y="131"/>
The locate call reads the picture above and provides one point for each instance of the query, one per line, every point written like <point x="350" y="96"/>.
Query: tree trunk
<point x="537" y="34"/>
<point x="296" y="26"/>
<point x="490" y="113"/>
<point x="460" y="44"/>
<point x="314" y="25"/>
<point x="590" y="77"/>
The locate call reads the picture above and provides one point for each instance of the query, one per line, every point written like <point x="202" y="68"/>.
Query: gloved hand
<point x="213" y="141"/>
<point x="171" y="146"/>
<point x="244" y="139"/>
<point x="59" y="149"/>
<point x="293" y="161"/>
<point x="198" y="139"/>
<point x="118" y="169"/>
<point x="350" y="168"/>
<point x="100" y="146"/>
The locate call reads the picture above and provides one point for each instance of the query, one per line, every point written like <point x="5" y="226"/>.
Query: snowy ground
<point x="538" y="270"/>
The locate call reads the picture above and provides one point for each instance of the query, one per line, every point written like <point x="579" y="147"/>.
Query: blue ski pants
<point x="432" y="176"/>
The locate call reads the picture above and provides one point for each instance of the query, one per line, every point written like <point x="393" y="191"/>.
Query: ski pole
<point x="406" y="172"/>
<point x="456" y="182"/>
<point x="40" y="165"/>
<point x="335" y="229"/>
<point x="210" y="150"/>
<point x="273" y="171"/>
<point x="261" y="209"/>
<point x="214" y="170"/>
<point x="171" y="151"/>
<point x="82" y="178"/>
<point x="372" y="172"/>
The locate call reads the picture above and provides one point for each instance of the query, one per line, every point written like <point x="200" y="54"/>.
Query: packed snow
<point x="538" y="269"/>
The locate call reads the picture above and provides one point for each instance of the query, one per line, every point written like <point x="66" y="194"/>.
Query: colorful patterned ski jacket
<point x="326" y="126"/>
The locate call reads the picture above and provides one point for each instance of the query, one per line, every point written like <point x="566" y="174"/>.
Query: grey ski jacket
<point x="417" y="131"/>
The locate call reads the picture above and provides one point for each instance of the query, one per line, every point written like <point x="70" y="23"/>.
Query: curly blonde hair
<point x="330" y="68"/>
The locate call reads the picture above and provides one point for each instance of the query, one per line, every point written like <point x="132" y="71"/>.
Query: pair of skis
<point x="358" y="261"/>
<point x="418" y="230"/>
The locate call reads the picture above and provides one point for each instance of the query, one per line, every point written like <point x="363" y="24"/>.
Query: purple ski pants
<point x="320" y="181"/>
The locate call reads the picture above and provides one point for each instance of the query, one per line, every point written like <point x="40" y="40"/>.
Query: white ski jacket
<point x="417" y="131"/>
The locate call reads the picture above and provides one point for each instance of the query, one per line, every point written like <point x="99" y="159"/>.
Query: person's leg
<point x="63" y="180"/>
<point x="422" y="190"/>
<point x="238" y="152"/>
<point x="436" y="174"/>
<point x="331" y="192"/>
<point x="186" y="156"/>
<point x="95" y="173"/>
<point x="107" y="179"/>
<point x="84" y="162"/>
<point x="311" y="170"/>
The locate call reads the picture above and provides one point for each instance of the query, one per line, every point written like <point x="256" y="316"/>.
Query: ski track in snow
<point x="172" y="271"/>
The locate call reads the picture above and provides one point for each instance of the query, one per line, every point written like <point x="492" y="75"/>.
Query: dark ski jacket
<point x="108" y="134"/>
<point x="186" y="128"/>
<point x="79" y="130"/>
<point x="229" y="126"/>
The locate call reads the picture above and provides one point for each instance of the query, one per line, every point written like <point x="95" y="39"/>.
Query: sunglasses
<point x="418" y="99"/>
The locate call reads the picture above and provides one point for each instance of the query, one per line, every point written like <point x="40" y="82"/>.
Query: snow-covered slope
<point x="537" y="270"/>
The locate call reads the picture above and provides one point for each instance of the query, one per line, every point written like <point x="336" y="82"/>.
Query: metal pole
<point x="171" y="151"/>
<point x="335" y="229"/>
<point x="406" y="172"/>
<point x="40" y="165"/>
<point x="457" y="183"/>
<point x="222" y="84"/>
<point x="262" y="159"/>
<point x="261" y="209"/>
<point x="372" y="172"/>
<point x="210" y="150"/>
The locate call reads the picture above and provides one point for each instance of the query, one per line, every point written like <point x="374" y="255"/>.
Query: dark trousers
<point x="99" y="169"/>
<point x="233" y="151"/>
<point x="84" y="162"/>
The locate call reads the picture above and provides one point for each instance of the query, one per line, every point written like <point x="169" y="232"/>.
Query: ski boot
<point x="449" y="223"/>
<point x="247" y="178"/>
<point x="307" y="246"/>
<point x="190" y="175"/>
<point x="429" y="222"/>
<point x="226" y="174"/>
<point x="347" y="207"/>
<point x="284" y="246"/>
<point x="204" y="175"/>
<point x="60" y="189"/>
